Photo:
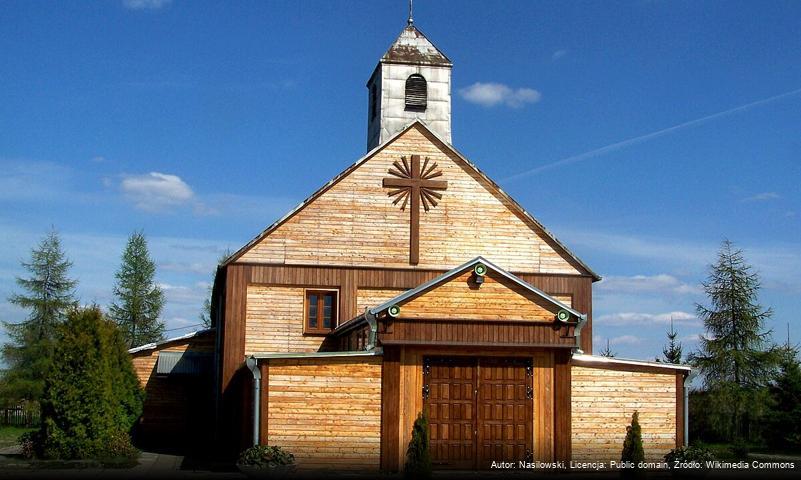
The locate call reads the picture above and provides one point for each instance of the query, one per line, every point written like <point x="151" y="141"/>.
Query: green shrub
<point x="632" y="445"/>
<point x="27" y="442"/>
<point x="263" y="456"/>
<point x="418" y="454"/>
<point x="118" y="445"/>
<point x="692" y="453"/>
<point x="92" y="397"/>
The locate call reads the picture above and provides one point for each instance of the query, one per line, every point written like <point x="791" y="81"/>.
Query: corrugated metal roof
<point x="155" y="345"/>
<point x="184" y="363"/>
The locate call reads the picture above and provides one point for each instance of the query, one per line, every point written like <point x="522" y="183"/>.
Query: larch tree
<point x="736" y="356"/>
<point x="48" y="293"/>
<point x="139" y="300"/>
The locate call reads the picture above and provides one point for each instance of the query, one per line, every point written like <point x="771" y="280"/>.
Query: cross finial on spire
<point x="410" y="22"/>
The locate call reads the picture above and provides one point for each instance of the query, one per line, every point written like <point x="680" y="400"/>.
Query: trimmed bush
<point x="263" y="456"/>
<point x="418" y="454"/>
<point x="632" y="445"/>
<point x="693" y="453"/>
<point x="92" y="397"/>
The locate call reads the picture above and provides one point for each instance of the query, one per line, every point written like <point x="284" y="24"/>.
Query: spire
<point x="410" y="22"/>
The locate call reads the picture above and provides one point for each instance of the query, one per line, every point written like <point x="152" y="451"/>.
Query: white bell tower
<point x="411" y="81"/>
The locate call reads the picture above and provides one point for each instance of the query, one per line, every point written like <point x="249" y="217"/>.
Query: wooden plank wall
<point x="339" y="226"/>
<point x="275" y="321"/>
<point x="373" y="297"/>
<point x="327" y="412"/>
<point x="603" y="402"/>
<point x="497" y="298"/>
<point x="173" y="406"/>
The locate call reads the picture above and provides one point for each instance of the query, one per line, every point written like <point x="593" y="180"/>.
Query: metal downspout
<point x="577" y="333"/>
<point x="372" y="322"/>
<point x="253" y="365"/>
<point x="687" y="381"/>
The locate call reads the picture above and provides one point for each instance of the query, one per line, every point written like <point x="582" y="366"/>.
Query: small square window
<point x="321" y="311"/>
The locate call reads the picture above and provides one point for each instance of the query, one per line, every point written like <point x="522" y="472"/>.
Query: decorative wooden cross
<point x="412" y="182"/>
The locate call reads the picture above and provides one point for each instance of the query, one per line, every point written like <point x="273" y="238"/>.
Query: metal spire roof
<point x="413" y="47"/>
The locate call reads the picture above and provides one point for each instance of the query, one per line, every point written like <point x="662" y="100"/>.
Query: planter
<point x="279" y="471"/>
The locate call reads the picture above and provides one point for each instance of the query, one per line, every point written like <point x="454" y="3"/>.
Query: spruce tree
<point x="139" y="299"/>
<point x="673" y="351"/>
<point x="735" y="357"/>
<point x="48" y="294"/>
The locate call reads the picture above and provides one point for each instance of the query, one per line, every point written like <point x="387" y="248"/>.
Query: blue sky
<point x="202" y="122"/>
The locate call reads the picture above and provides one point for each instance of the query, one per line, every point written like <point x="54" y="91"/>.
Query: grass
<point x="9" y="435"/>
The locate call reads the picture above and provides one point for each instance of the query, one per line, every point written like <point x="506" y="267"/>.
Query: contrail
<point x="648" y="136"/>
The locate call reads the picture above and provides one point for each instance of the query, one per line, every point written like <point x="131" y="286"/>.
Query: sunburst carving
<point x="411" y="177"/>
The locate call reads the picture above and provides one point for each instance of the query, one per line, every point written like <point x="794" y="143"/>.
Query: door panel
<point x="480" y="410"/>
<point x="451" y="405"/>
<point x="506" y="427"/>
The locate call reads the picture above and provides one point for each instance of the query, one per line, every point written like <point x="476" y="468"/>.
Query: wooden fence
<point x="19" y="417"/>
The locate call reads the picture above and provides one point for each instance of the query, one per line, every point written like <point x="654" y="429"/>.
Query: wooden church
<point x="409" y="283"/>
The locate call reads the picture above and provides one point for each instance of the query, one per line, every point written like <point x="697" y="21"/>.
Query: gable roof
<point x="433" y="283"/>
<point x="445" y="277"/>
<point x="412" y="47"/>
<point x="417" y="122"/>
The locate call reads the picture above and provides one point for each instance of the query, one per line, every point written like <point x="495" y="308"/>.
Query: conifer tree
<point x="205" y="311"/>
<point x="93" y="399"/>
<point x="632" y="444"/>
<point x="673" y="351"/>
<point x="607" y="352"/>
<point x="418" y="454"/>
<point x="735" y="356"/>
<point x="48" y="294"/>
<point x="139" y="299"/>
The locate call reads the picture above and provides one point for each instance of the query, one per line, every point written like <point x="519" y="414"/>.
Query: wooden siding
<point x="349" y="280"/>
<point x="173" y="406"/>
<point x="497" y="298"/>
<point x="603" y="402"/>
<point x="327" y="412"/>
<point x="339" y="226"/>
<point x="373" y="297"/>
<point x="403" y="401"/>
<point x="275" y="321"/>
<point x="479" y="333"/>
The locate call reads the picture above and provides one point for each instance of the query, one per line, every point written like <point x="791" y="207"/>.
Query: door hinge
<point x="426" y="391"/>
<point x="529" y="392"/>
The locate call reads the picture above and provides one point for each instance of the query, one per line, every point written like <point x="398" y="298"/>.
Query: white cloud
<point x="661" y="283"/>
<point x="558" y="54"/>
<point x="493" y="94"/>
<point x="763" y="197"/>
<point x="145" y="4"/>
<point x="625" y="340"/>
<point x="645" y="319"/>
<point x="156" y="191"/>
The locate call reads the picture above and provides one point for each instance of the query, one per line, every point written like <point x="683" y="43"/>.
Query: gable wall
<point x="355" y="222"/>
<point x="496" y="299"/>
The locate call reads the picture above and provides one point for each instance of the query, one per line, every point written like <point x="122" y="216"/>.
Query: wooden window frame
<point x="321" y="293"/>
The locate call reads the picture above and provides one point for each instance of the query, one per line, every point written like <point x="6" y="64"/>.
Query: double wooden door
<point x="480" y="410"/>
